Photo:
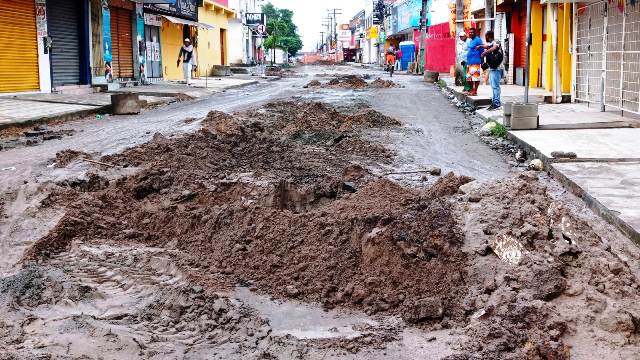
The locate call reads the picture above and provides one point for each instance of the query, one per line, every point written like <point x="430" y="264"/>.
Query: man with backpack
<point x="493" y="57"/>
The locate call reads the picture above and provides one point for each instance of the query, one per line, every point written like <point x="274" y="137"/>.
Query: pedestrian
<point x="391" y="60"/>
<point x="398" y="59"/>
<point x="462" y="50"/>
<point x="474" y="61"/>
<point x="188" y="58"/>
<point x="493" y="57"/>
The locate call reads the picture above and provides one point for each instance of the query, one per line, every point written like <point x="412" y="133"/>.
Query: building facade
<point x="72" y="45"/>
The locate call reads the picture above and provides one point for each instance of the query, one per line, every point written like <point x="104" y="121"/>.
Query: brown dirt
<point x="65" y="157"/>
<point x="351" y="82"/>
<point x="379" y="84"/>
<point x="525" y="311"/>
<point x="313" y="83"/>
<point x="279" y="199"/>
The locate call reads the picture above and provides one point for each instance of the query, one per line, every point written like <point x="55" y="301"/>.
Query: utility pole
<point x="528" y="55"/>
<point x="329" y="26"/>
<point x="423" y="37"/>
<point x="322" y="42"/>
<point x="380" y="9"/>
<point x="335" y="25"/>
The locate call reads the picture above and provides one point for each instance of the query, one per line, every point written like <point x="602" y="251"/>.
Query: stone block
<point x="124" y="104"/>
<point x="524" y="110"/>
<point x="524" y="123"/>
<point x="431" y="76"/>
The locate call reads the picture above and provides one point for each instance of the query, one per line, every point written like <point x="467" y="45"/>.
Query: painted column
<point x="44" y="64"/>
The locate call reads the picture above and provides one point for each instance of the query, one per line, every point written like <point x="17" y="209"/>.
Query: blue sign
<point x="409" y="14"/>
<point x="106" y="34"/>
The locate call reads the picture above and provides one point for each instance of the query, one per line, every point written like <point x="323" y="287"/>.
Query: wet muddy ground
<point x="311" y="223"/>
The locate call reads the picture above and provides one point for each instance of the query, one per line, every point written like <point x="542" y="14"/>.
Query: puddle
<point x="305" y="321"/>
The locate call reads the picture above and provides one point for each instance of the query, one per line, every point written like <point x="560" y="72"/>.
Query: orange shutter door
<point x="18" y="46"/>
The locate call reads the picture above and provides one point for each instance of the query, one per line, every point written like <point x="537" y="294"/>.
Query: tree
<point x="283" y="33"/>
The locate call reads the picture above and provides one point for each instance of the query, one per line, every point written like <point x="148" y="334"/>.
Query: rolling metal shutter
<point x="63" y="20"/>
<point x="18" y="46"/>
<point x="122" y="46"/>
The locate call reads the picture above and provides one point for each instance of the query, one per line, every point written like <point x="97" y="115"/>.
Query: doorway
<point x="223" y="46"/>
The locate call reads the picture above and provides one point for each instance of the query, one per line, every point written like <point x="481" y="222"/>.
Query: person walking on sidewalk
<point x="493" y="57"/>
<point x="188" y="58"/>
<point x="462" y="48"/>
<point x="474" y="62"/>
<point x="398" y="59"/>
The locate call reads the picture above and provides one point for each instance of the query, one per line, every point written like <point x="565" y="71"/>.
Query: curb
<point x="592" y="203"/>
<point x="468" y="99"/>
<point x="69" y="116"/>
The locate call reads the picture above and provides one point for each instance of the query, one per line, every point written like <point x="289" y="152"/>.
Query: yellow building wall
<point x="535" y="65"/>
<point x="548" y="80"/>
<point x="209" y="49"/>
<point x="171" y="40"/>
<point x="564" y="46"/>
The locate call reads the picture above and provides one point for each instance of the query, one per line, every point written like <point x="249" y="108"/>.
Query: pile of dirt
<point x="351" y="82"/>
<point x="313" y="83"/>
<point x="565" y="280"/>
<point x="348" y="82"/>
<point x="65" y="157"/>
<point x="279" y="200"/>
<point x="380" y="84"/>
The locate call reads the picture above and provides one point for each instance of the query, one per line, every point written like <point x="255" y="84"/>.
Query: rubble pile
<point x="351" y="82"/>
<point x="279" y="199"/>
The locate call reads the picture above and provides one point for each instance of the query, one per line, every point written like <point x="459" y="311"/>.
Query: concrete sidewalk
<point x="513" y="93"/>
<point x="26" y="109"/>
<point x="606" y="172"/>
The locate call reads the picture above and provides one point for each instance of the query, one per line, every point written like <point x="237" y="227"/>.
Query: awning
<point x="176" y="20"/>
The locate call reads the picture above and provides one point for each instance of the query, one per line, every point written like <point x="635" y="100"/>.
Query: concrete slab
<point x="22" y="111"/>
<point x="201" y="87"/>
<point x="593" y="144"/>
<point x="612" y="189"/>
<point x="95" y="99"/>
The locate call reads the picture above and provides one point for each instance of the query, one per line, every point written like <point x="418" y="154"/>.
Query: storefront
<point x="19" y="66"/>
<point x="67" y="22"/>
<point x="177" y="22"/>
<point x="153" y="49"/>
<point x="121" y="14"/>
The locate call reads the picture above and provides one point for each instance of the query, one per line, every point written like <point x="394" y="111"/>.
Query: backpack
<point x="494" y="59"/>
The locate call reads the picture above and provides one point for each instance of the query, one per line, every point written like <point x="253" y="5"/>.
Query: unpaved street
<point x="344" y="219"/>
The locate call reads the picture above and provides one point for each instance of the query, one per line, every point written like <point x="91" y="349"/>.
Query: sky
<point x="308" y="16"/>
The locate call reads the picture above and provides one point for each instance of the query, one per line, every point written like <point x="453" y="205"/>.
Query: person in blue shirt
<point x="474" y="61"/>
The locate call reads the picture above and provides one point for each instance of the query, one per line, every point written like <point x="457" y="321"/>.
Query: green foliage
<point x="499" y="131"/>
<point x="283" y="33"/>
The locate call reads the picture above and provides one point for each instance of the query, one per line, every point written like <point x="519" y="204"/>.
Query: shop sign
<point x="186" y="9"/>
<point x="41" y="18"/>
<point x="373" y="32"/>
<point x="152" y="20"/>
<point x="255" y="19"/>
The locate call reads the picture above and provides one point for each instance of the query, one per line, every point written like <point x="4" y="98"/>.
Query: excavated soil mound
<point x="313" y="83"/>
<point x="65" y="157"/>
<point x="246" y="203"/>
<point x="351" y="82"/>
<point x="275" y="199"/>
<point x="379" y="84"/>
<point x="348" y="82"/>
